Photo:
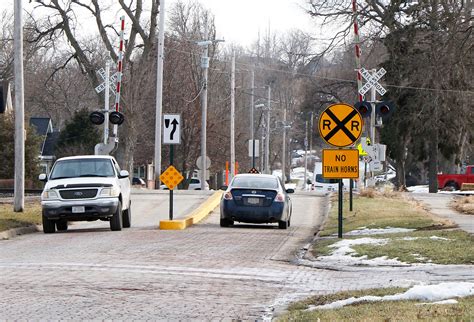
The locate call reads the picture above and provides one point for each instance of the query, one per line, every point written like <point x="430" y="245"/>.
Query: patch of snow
<point x="290" y="186"/>
<point x="419" y="257"/>
<point x="438" y="292"/>
<point x="418" y="189"/>
<point x="450" y="301"/>
<point x="439" y="238"/>
<point x="345" y="254"/>
<point x="409" y="238"/>
<point x="377" y="231"/>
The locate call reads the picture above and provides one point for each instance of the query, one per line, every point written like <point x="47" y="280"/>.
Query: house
<point x="44" y="128"/>
<point x="6" y="105"/>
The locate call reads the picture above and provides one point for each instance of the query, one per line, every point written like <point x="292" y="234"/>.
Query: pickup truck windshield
<point x="82" y="168"/>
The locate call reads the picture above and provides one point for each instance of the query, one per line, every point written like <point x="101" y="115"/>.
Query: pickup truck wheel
<point x="49" y="226"/>
<point x="452" y="184"/>
<point x="127" y="216"/>
<point x="61" y="225"/>
<point x="116" y="220"/>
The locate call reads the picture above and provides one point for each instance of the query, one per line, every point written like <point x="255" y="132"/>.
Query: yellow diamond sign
<point x="171" y="177"/>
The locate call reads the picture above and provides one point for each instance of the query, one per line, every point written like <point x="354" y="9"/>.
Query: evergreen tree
<point x="7" y="152"/>
<point x="79" y="136"/>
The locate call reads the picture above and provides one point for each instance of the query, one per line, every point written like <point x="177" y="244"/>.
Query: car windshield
<point x="320" y="179"/>
<point x="82" y="168"/>
<point x="255" y="182"/>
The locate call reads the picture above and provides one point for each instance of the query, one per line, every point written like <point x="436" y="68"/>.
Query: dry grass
<point x="379" y="311"/>
<point x="380" y="209"/>
<point x="464" y="205"/>
<point x="30" y="215"/>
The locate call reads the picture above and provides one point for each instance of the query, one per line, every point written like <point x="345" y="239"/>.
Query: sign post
<point x="340" y="125"/>
<point x="171" y="135"/>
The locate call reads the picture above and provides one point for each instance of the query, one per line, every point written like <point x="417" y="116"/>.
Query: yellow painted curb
<point x="194" y="217"/>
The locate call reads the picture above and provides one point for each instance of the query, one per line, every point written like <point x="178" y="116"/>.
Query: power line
<point x="328" y="78"/>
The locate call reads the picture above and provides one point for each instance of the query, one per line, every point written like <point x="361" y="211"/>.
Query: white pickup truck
<point x="85" y="188"/>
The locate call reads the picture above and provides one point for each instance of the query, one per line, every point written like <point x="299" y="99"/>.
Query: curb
<point x="197" y="215"/>
<point x="18" y="231"/>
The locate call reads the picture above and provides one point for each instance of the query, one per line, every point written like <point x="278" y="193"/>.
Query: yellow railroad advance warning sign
<point x="340" y="125"/>
<point x="341" y="164"/>
<point x="171" y="177"/>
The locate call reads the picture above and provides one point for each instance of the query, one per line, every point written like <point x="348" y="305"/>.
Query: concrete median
<point x="195" y="216"/>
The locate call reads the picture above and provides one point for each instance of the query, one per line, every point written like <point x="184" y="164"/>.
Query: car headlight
<point x="110" y="192"/>
<point x="49" y="194"/>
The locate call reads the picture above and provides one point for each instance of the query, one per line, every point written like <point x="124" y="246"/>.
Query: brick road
<point x="205" y="272"/>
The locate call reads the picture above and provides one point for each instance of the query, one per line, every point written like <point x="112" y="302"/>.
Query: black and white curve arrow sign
<point x="172" y="129"/>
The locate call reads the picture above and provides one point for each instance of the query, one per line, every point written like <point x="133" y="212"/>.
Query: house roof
<point x="49" y="147"/>
<point x="42" y="125"/>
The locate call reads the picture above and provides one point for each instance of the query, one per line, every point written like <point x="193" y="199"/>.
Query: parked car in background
<point x="136" y="181"/>
<point x="195" y="184"/>
<point x="455" y="181"/>
<point x="85" y="188"/>
<point x="256" y="198"/>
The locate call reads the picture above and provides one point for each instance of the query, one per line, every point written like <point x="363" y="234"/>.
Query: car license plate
<point x="78" y="209"/>
<point x="253" y="201"/>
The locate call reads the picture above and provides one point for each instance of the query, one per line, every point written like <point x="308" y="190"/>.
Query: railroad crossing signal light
<point x="116" y="118"/>
<point x="364" y="108"/>
<point x="97" y="118"/>
<point x="384" y="109"/>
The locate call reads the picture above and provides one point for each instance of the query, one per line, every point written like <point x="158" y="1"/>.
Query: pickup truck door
<point x="124" y="187"/>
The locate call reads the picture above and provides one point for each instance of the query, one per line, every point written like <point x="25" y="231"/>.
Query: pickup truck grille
<point x="78" y="193"/>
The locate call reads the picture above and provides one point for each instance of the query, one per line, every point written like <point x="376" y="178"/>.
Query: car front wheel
<point x="49" y="226"/>
<point x="116" y="220"/>
<point x="127" y="216"/>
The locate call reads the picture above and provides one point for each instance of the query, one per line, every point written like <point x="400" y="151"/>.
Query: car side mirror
<point x="123" y="174"/>
<point x="43" y="177"/>
<point x="290" y="190"/>
<point x="224" y="187"/>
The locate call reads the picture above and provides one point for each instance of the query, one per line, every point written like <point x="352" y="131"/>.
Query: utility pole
<point x="19" y="202"/>
<point x="283" y="155"/>
<point x="311" y="134"/>
<point x="305" y="154"/>
<point x="262" y="149"/>
<point x="252" y="136"/>
<point x="267" y="142"/>
<point x="159" y="94"/>
<point x="205" y="67"/>
<point x="232" y="118"/>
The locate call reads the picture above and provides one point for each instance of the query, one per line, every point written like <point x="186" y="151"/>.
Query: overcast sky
<point x="239" y="21"/>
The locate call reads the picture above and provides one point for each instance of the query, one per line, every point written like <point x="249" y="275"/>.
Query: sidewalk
<point x="438" y="204"/>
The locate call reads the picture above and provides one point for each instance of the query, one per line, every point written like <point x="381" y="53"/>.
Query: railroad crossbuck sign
<point x="112" y="80"/>
<point x="171" y="129"/>
<point x="372" y="81"/>
<point x="340" y="125"/>
<point x="340" y="164"/>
